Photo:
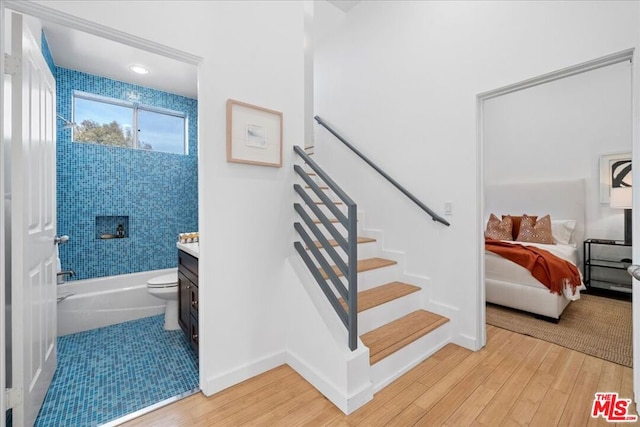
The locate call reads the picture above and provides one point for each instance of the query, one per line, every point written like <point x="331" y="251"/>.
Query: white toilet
<point x="166" y="287"/>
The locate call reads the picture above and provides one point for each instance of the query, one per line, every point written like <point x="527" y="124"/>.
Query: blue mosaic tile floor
<point x="110" y="372"/>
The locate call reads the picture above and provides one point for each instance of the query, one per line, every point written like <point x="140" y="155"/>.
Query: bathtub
<point x="106" y="301"/>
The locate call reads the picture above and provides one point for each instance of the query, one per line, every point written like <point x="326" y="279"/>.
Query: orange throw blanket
<point x="550" y="270"/>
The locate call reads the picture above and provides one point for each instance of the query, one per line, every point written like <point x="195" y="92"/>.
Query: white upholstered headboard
<point x="560" y="199"/>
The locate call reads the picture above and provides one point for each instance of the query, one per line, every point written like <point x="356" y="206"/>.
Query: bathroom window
<point x="117" y="123"/>
<point x="161" y="132"/>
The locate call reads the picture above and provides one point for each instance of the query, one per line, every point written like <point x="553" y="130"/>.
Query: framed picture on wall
<point x="254" y="134"/>
<point x="615" y="171"/>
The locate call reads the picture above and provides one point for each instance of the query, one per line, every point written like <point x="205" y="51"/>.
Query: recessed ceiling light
<point x="139" y="69"/>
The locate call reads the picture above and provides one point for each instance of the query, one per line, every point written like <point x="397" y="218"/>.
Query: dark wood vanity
<point x="188" y="296"/>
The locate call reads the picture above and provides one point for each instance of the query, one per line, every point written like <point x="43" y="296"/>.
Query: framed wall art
<point x="615" y="171"/>
<point x="254" y="134"/>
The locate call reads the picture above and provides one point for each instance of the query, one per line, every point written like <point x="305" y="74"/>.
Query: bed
<point x="507" y="283"/>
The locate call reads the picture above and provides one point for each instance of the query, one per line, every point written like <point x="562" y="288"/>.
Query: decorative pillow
<point x="516" y="224"/>
<point x="499" y="229"/>
<point x="562" y="230"/>
<point x="533" y="231"/>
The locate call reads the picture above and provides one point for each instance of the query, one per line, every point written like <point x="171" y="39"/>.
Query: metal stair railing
<point x="348" y="244"/>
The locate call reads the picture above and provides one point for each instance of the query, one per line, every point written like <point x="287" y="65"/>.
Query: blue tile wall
<point x="46" y="52"/>
<point x="157" y="191"/>
<point x="109" y="225"/>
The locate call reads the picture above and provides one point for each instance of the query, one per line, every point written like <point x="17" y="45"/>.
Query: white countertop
<point x="190" y="248"/>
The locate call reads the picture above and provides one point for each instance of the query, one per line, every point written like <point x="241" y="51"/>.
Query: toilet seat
<point x="165" y="281"/>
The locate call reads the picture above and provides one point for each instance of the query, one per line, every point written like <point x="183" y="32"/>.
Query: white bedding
<point x="511" y="285"/>
<point x="503" y="270"/>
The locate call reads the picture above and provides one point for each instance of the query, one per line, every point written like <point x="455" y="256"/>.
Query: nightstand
<point x="605" y="266"/>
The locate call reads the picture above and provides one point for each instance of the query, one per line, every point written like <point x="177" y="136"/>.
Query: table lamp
<point x="621" y="198"/>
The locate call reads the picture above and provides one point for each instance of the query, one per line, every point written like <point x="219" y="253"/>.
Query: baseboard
<point x="466" y="341"/>
<point x="346" y="403"/>
<point x="453" y="314"/>
<point x="227" y="379"/>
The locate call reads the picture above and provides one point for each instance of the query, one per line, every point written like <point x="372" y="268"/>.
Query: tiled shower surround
<point x="158" y="192"/>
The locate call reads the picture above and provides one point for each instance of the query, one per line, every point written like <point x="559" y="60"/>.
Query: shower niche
<point x="112" y="227"/>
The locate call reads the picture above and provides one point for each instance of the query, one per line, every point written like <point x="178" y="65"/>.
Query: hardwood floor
<point x="514" y="380"/>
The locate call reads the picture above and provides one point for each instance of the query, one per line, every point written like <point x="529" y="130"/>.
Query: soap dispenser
<point x="120" y="231"/>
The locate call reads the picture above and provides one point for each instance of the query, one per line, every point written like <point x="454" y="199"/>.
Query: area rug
<point x="594" y="325"/>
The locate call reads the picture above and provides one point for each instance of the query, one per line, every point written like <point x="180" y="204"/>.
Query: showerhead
<point x="67" y="123"/>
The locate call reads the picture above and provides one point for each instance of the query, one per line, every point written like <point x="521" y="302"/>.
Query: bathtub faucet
<point x="61" y="276"/>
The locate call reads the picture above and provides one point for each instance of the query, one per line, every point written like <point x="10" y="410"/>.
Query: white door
<point x="33" y="225"/>
<point x="635" y="218"/>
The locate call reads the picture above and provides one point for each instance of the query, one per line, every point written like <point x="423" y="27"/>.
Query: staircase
<point x="392" y="320"/>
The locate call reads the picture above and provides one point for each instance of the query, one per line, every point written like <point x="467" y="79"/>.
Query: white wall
<point x="400" y="80"/>
<point x="309" y="10"/>
<point x="4" y="118"/>
<point x="558" y="131"/>
<point x="253" y="52"/>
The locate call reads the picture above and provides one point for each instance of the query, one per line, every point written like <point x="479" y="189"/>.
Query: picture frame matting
<point x="610" y="165"/>
<point x="254" y="134"/>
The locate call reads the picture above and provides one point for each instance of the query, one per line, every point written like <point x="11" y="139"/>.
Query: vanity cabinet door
<point x="184" y="303"/>
<point x="193" y="336"/>
<point x="194" y="300"/>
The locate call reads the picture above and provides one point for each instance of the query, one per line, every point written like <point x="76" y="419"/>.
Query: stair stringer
<point x="426" y="300"/>
<point x="397" y="364"/>
<point x="317" y="343"/>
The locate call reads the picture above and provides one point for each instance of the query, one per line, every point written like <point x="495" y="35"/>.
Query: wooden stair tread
<point x="388" y="339"/>
<point x="382" y="294"/>
<point x="334" y="242"/>
<point x="332" y="220"/>
<point x="322" y="203"/>
<point x="363" y="265"/>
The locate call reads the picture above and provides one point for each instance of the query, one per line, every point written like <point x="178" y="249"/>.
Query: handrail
<point x="404" y="191"/>
<point x="348" y="268"/>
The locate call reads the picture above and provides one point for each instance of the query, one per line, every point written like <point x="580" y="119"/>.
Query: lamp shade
<point x="621" y="198"/>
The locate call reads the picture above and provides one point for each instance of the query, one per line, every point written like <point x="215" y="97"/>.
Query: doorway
<point x="99" y="343"/>
<point x="600" y="219"/>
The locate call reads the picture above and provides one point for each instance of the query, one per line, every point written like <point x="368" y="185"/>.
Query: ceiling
<point x="91" y="54"/>
<point x="344" y="5"/>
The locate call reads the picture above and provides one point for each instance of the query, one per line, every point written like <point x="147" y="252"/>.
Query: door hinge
<point x="12" y="397"/>
<point x="12" y="64"/>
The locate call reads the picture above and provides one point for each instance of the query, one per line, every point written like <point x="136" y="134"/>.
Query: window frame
<point x="135" y="107"/>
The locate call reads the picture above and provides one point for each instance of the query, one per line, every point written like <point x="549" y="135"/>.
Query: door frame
<point x="3" y="363"/>
<point x="56" y="17"/>
<point x="614" y="58"/>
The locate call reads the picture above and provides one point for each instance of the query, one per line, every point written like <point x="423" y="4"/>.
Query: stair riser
<point x="315" y="197"/>
<point x="398" y="363"/>
<point x="341" y="229"/>
<point x="365" y="250"/>
<point x="378" y="316"/>
<point x="325" y="210"/>
<point x="328" y="192"/>
<point x="373" y="278"/>
<point x="314" y="178"/>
